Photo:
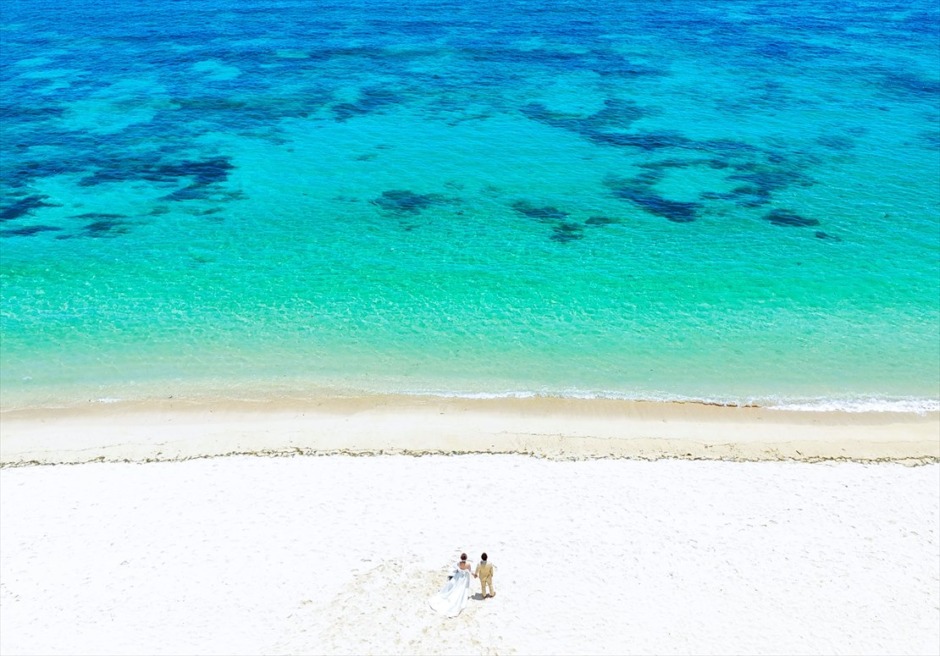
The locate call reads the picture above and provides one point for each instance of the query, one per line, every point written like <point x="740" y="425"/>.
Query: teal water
<point x="735" y="202"/>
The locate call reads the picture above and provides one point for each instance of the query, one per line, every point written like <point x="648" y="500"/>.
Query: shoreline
<point x="556" y="428"/>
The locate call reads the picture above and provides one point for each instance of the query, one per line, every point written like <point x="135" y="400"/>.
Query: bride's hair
<point x="463" y="556"/>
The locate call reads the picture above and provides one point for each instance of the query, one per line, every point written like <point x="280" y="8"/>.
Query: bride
<point x="453" y="597"/>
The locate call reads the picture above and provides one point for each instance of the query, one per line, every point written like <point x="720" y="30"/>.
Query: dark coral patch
<point x="912" y="84"/>
<point x="639" y="191"/>
<point x="404" y="201"/>
<point x="825" y="235"/>
<point x="28" y="231"/>
<point x="371" y="99"/>
<point x="544" y="213"/>
<point x="98" y="215"/>
<point x="606" y="126"/>
<point x="672" y="163"/>
<point x="600" y="221"/>
<point x="715" y="195"/>
<point x="647" y="141"/>
<point x="345" y="111"/>
<point x="770" y="179"/>
<point x="750" y="196"/>
<point x="204" y="172"/>
<point x="19" y="175"/>
<point x="565" y="232"/>
<point x="541" y="114"/>
<point x="673" y="210"/>
<point x="789" y="219"/>
<point x="616" y="114"/>
<point x="763" y="171"/>
<point x="23" y="206"/>
<point x="762" y="180"/>
<point x="647" y="178"/>
<point x="201" y="172"/>
<point x="11" y="111"/>
<point x="105" y="228"/>
<point x="208" y="212"/>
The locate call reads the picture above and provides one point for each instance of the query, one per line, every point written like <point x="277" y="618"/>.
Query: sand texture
<point x="338" y="555"/>
<point x="551" y="427"/>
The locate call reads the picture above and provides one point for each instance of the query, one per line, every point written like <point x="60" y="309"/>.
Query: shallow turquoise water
<point x="646" y="200"/>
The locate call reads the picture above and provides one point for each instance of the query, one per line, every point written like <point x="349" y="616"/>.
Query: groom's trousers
<point x="486" y="581"/>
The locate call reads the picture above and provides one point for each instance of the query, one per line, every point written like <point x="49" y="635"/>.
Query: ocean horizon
<point x="733" y="202"/>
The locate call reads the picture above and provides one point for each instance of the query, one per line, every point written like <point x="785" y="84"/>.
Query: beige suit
<point x="485" y="572"/>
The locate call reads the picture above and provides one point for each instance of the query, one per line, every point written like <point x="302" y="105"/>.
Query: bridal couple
<point x="453" y="597"/>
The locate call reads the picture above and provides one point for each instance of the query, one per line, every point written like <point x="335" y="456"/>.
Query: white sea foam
<point x="914" y="405"/>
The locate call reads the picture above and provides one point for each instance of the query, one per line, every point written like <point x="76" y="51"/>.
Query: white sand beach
<point x="338" y="555"/>
<point x="611" y="536"/>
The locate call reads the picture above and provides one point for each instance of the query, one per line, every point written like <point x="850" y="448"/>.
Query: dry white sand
<point x="338" y="554"/>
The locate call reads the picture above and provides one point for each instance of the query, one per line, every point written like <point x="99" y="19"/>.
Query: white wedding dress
<point x="453" y="597"/>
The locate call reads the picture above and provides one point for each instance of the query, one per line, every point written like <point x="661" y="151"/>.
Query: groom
<point x="485" y="572"/>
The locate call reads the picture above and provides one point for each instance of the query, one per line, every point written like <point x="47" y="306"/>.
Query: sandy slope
<point x="558" y="428"/>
